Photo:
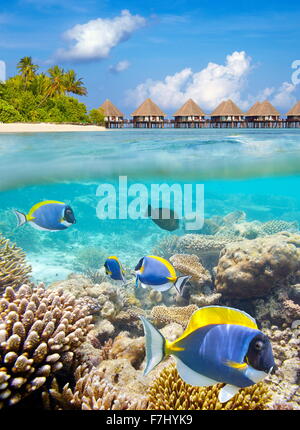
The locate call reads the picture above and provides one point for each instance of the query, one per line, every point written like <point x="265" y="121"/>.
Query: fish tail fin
<point x="155" y="346"/>
<point x="180" y="283"/>
<point x="21" y="218"/>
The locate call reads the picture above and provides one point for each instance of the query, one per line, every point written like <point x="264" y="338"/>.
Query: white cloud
<point x="284" y="97"/>
<point x="119" y="67"/>
<point x="2" y="71"/>
<point x="208" y="87"/>
<point x="95" y="39"/>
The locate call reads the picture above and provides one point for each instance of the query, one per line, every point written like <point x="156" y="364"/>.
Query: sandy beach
<point x="21" y="127"/>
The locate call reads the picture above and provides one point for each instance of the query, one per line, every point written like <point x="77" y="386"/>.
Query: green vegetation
<point x="44" y="97"/>
<point x="97" y="116"/>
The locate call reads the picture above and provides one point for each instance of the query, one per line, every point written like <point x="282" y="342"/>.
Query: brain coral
<point x="13" y="268"/>
<point x="170" y="392"/>
<point x="39" y="333"/>
<point x="252" y="267"/>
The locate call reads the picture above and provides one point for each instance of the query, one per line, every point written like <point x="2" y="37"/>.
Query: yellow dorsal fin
<point x="38" y="205"/>
<point x="217" y="315"/>
<point x="167" y="264"/>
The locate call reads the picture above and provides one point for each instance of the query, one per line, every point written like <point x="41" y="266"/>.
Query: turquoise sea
<point x="254" y="171"/>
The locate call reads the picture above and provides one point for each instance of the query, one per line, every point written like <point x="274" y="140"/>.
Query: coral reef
<point x="181" y="315"/>
<point x="92" y="392"/>
<point x="14" y="271"/>
<point x="40" y="331"/>
<point x="170" y="392"/>
<point x="285" y="383"/>
<point x="206" y="247"/>
<point x="189" y="264"/>
<point x="277" y="307"/>
<point x="166" y="247"/>
<point x="251" y="268"/>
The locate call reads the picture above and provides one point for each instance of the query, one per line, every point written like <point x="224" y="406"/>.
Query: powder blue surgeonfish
<point x="49" y="215"/>
<point x="219" y="344"/>
<point x="114" y="269"/>
<point x="159" y="274"/>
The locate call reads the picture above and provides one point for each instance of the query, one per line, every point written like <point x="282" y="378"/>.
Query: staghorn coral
<point x="180" y="315"/>
<point x="14" y="270"/>
<point x="169" y="392"/>
<point x="40" y="331"/>
<point x="92" y="392"/>
<point x="251" y="268"/>
<point x="189" y="264"/>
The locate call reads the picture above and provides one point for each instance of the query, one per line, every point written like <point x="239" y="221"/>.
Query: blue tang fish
<point x="114" y="269"/>
<point x="49" y="215"/>
<point x="159" y="274"/>
<point x="219" y="344"/>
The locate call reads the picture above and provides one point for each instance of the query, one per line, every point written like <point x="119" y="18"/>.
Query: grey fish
<point x="166" y="219"/>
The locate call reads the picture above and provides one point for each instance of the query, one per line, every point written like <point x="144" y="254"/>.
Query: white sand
<point x="20" y="127"/>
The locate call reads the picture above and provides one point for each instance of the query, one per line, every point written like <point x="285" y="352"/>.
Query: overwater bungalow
<point x="263" y="115"/>
<point x="148" y="115"/>
<point x="114" y="118"/>
<point x="190" y="115"/>
<point x="227" y="114"/>
<point x="293" y="116"/>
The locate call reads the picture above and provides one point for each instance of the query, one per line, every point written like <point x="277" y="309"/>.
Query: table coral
<point x="251" y="268"/>
<point x="14" y="271"/>
<point x="178" y="314"/>
<point x="39" y="332"/>
<point x="170" y="392"/>
<point x="206" y="247"/>
<point x="189" y="264"/>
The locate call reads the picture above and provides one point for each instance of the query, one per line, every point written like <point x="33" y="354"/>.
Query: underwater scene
<point x="150" y="270"/>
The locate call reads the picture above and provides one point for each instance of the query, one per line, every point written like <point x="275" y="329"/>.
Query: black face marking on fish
<point x="69" y="215"/>
<point x="259" y="354"/>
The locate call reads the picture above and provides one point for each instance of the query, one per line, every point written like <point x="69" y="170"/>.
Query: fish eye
<point x="259" y="345"/>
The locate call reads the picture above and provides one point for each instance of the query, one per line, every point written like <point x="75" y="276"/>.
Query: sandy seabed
<point x="46" y="127"/>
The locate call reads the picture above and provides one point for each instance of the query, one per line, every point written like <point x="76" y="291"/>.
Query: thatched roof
<point x="295" y="111"/>
<point x="110" y="109"/>
<point x="190" y="108"/>
<point x="148" y="108"/>
<point x="253" y="110"/>
<point x="263" y="109"/>
<point x="227" y="108"/>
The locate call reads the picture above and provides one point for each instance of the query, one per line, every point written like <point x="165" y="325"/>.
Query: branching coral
<point x="170" y="392"/>
<point x="39" y="332"/>
<point x="14" y="271"/>
<point x="92" y="392"/>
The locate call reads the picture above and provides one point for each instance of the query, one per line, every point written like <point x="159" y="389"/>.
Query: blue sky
<point x="170" y="51"/>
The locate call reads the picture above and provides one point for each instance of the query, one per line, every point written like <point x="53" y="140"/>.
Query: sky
<point x="167" y="50"/>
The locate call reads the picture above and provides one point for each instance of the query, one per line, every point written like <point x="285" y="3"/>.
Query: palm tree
<point x="27" y="70"/>
<point x="57" y="82"/>
<point x="40" y="84"/>
<point x="74" y="85"/>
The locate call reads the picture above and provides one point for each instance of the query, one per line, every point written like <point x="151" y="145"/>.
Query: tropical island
<point x="33" y="97"/>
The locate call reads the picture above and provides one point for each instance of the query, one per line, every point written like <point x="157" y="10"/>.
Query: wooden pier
<point x="190" y="115"/>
